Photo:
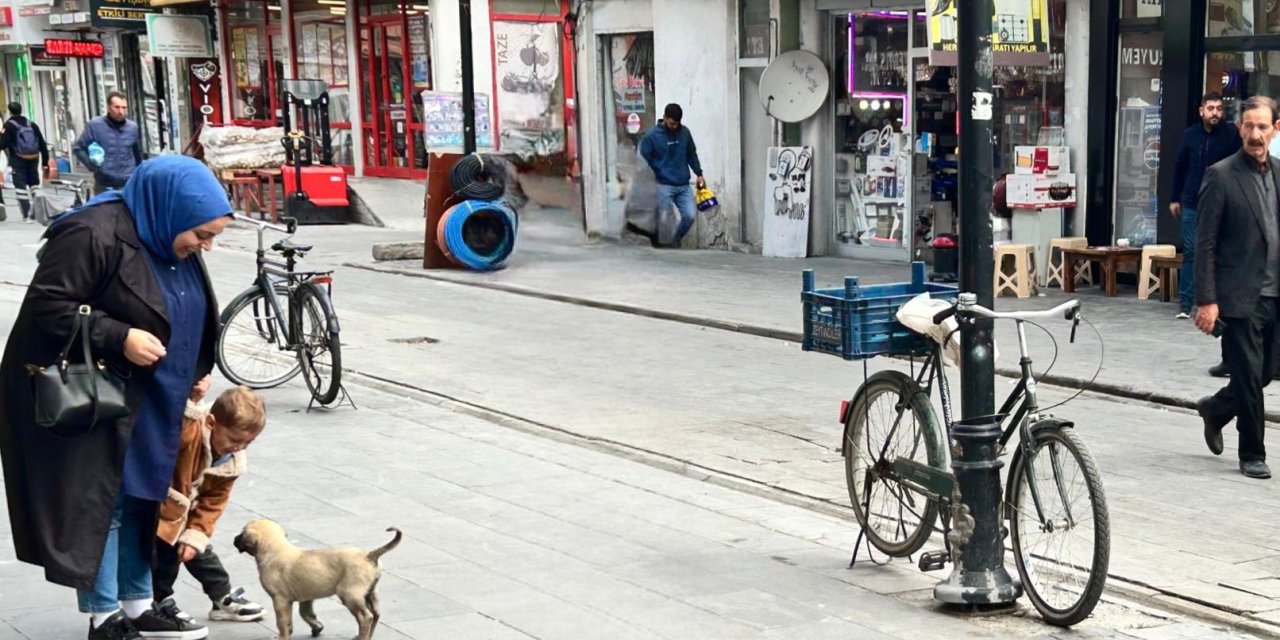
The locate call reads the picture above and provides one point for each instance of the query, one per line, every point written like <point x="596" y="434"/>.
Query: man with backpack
<point x="28" y="151"/>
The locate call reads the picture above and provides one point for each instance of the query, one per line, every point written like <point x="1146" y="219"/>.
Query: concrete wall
<point x="695" y="65"/>
<point x="1077" y="107"/>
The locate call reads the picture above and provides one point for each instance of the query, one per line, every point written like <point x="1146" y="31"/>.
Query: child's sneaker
<point x="236" y="608"/>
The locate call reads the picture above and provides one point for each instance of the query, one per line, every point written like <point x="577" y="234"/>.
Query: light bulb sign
<point x="73" y="48"/>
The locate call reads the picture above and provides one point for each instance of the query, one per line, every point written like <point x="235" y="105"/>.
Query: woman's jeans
<point x="125" y="572"/>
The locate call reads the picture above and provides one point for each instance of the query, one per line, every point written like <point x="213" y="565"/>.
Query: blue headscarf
<point x="167" y="196"/>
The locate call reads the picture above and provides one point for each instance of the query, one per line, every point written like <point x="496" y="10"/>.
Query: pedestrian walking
<point x="28" y="152"/>
<point x="117" y="137"/>
<point x="85" y="508"/>
<point x="669" y="150"/>
<point x="1203" y="145"/>
<point x="1238" y="281"/>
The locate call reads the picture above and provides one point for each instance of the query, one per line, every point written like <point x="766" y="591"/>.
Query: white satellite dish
<point x="794" y="86"/>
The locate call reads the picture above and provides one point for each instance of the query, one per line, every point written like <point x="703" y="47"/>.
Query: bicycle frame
<point x="271" y="273"/>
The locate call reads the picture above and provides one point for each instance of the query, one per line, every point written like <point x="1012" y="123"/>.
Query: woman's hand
<point x="142" y="348"/>
<point x="202" y="387"/>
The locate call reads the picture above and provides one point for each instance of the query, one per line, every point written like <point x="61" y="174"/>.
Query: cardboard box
<point x="1041" y="160"/>
<point x="1040" y="191"/>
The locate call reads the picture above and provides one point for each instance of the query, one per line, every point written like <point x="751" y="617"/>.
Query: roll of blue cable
<point x="487" y="255"/>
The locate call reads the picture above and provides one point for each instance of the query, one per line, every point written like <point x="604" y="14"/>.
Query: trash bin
<point x="946" y="258"/>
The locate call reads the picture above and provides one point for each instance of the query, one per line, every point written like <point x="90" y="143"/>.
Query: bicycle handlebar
<point x="1068" y="310"/>
<point x="290" y="224"/>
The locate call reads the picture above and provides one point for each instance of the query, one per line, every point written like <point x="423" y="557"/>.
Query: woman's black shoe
<point x="117" y="627"/>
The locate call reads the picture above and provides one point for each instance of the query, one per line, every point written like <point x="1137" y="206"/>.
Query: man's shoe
<point x="117" y="627"/>
<point x="1255" y="469"/>
<point x="1182" y="315"/>
<point x="162" y="621"/>
<point x="1220" y="370"/>
<point x="1212" y="432"/>
<point x="236" y="608"/>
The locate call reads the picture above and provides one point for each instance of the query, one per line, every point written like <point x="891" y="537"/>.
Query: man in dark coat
<point x="62" y="492"/>
<point x="1238" y="281"/>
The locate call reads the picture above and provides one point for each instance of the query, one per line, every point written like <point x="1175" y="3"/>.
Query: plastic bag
<point x="917" y="315"/>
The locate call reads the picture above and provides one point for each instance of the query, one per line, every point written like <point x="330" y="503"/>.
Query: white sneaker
<point x="236" y="608"/>
<point x="1182" y="315"/>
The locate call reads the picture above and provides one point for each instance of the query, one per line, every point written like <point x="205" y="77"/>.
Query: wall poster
<point x="788" y="181"/>
<point x="530" y="98"/>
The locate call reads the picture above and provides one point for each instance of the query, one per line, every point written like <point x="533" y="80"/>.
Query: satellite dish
<point x="794" y="86"/>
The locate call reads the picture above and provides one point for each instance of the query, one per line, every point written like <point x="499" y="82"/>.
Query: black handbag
<point x="71" y="398"/>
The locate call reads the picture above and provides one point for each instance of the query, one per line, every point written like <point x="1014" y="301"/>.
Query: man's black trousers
<point x="1249" y="345"/>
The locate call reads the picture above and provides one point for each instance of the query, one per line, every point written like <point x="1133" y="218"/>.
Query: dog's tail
<point x="380" y="551"/>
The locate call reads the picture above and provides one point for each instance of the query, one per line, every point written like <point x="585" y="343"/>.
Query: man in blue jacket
<point x="1203" y="145"/>
<point x="121" y="145"/>
<point x="670" y="152"/>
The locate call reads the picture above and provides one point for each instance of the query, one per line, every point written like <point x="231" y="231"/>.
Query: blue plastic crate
<point x="858" y="322"/>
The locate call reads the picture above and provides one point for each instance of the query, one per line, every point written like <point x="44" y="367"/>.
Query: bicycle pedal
<point x="933" y="560"/>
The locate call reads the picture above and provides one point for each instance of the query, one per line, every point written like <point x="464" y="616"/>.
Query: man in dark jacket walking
<point x="121" y="145"/>
<point x="670" y="152"/>
<point x="28" y="151"/>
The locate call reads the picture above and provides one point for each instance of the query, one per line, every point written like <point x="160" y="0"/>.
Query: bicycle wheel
<point x="891" y="418"/>
<point x="320" y="355"/>
<point x="1063" y="558"/>
<point x="248" y="350"/>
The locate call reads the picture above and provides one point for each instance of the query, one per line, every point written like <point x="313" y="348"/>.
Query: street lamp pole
<point x="978" y="576"/>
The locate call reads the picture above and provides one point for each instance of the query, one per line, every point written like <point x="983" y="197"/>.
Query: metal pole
<point x="468" y="80"/>
<point x="978" y="576"/>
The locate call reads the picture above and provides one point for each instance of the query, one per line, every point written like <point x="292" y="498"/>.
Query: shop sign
<point x="28" y="12"/>
<point x="1141" y="57"/>
<point x="41" y="58"/>
<point x="178" y="36"/>
<point x="1019" y="36"/>
<point x="6" y="16"/>
<point x="73" y="48"/>
<point x="206" y="90"/>
<point x="442" y="116"/>
<point x="1150" y="8"/>
<point x="127" y="14"/>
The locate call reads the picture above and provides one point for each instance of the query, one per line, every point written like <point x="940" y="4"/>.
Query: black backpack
<point x="26" y="143"/>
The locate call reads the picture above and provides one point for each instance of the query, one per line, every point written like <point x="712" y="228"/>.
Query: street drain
<point x="415" y="340"/>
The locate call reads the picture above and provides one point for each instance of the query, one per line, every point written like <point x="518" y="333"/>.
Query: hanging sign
<point x="786" y="210"/>
<point x="206" y="90"/>
<point x="73" y="48"/>
<point x="1019" y="34"/>
<point x="178" y="36"/>
<point x="41" y="58"/>
<point x="128" y="14"/>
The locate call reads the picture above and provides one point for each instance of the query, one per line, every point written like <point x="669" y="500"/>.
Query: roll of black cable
<point x="473" y="179"/>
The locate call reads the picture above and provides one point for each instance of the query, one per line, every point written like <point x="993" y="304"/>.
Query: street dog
<point x="290" y="575"/>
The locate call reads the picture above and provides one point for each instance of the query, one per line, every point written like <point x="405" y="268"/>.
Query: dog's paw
<point x="316" y="629"/>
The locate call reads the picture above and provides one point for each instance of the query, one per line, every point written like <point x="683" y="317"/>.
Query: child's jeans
<point x="125" y="571"/>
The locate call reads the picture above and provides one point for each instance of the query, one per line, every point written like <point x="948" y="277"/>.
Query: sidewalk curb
<point x="1068" y="382"/>
<point x="1132" y="591"/>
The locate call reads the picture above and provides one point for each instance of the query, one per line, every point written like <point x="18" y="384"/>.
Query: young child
<point x="210" y="458"/>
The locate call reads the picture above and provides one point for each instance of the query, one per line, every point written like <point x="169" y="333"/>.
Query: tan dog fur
<point x="290" y="575"/>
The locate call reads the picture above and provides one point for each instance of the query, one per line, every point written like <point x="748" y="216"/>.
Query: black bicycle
<point x="283" y="324"/>
<point x="900" y="484"/>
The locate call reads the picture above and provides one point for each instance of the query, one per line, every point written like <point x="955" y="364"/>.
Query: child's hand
<point x="186" y="553"/>
<point x="202" y="387"/>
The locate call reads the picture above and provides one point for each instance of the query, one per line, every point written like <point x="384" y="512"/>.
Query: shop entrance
<point x="393" y="61"/>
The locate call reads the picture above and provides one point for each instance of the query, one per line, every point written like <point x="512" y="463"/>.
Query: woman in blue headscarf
<point x="85" y="508"/>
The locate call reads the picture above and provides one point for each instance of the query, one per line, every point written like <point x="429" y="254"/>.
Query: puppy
<point x="290" y="574"/>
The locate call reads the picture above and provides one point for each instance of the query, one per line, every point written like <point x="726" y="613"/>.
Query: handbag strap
<point x="79" y="327"/>
<point x="85" y="315"/>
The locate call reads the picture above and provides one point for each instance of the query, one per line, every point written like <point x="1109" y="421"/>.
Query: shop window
<point x="395" y="69"/>
<point x="256" y="54"/>
<point x="753" y="29"/>
<point x="1241" y="75"/>
<point x="1138" y="138"/>
<point x="320" y="46"/>
<point x="1142" y="8"/>
<point x="1242" y="18"/>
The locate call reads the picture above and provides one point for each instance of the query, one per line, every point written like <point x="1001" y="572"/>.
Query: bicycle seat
<point x="284" y="246"/>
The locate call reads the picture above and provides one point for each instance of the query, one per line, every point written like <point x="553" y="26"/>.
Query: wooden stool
<point x="271" y="178"/>
<point x="245" y="190"/>
<point x="1021" y="282"/>
<point x="1167" y="269"/>
<point x="1056" y="246"/>
<point x="1148" y="281"/>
